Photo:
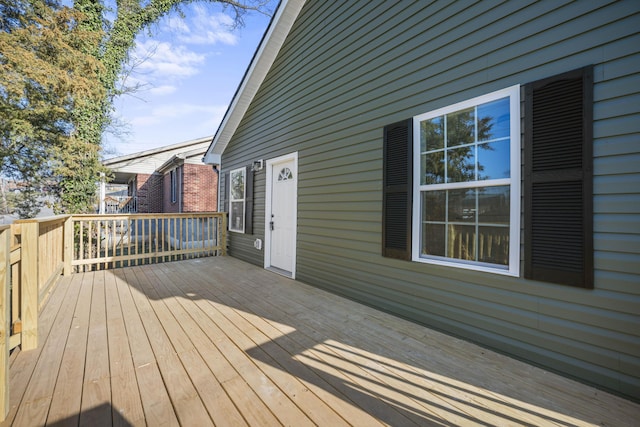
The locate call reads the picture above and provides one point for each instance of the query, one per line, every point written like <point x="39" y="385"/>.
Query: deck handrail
<point x="34" y="253"/>
<point x="118" y="240"/>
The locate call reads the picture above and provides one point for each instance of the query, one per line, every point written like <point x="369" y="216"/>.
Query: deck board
<point x="153" y="393"/>
<point x="216" y="341"/>
<point x="67" y="396"/>
<point x="240" y="332"/>
<point x="125" y="393"/>
<point x="96" y="390"/>
<point x="39" y="391"/>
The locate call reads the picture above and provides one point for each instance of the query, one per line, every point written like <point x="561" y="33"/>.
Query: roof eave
<point x="146" y="153"/>
<point x="175" y="160"/>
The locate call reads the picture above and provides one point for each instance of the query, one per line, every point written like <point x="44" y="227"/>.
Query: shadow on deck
<point x="218" y="341"/>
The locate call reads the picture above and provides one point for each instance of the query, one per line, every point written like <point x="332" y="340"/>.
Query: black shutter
<point x="225" y="193"/>
<point x="558" y="180"/>
<point x="248" y="202"/>
<point x="397" y="190"/>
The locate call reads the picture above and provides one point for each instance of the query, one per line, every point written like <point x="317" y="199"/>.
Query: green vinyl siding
<point x="349" y="68"/>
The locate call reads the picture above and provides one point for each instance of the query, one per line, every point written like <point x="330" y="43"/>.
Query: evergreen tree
<point x="44" y="77"/>
<point x="59" y="68"/>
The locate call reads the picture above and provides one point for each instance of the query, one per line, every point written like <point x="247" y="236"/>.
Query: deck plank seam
<point x="47" y="328"/>
<point x="227" y="293"/>
<point x="196" y="347"/>
<point x="216" y="344"/>
<point x="143" y="299"/>
<point x="202" y="281"/>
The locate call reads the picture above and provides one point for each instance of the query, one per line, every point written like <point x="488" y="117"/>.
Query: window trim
<point x="513" y="269"/>
<point x="243" y="171"/>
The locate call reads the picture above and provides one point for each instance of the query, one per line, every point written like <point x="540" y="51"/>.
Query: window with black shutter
<point x="238" y="199"/>
<point x="558" y="180"/>
<point x="397" y="190"/>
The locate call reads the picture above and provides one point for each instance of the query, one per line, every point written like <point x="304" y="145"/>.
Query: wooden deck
<point x="217" y="341"/>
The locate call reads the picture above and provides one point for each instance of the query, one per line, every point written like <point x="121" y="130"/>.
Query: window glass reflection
<point x="461" y="242"/>
<point x="432" y="134"/>
<point x="462" y="205"/>
<point x="433" y="168"/>
<point x="237" y="185"/>
<point x="493" y="120"/>
<point x="433" y="205"/>
<point x="461" y="127"/>
<point x="493" y="243"/>
<point x="493" y="205"/>
<point x="461" y="165"/>
<point x="237" y="215"/>
<point x="494" y="160"/>
<point x="433" y="239"/>
<point x="466" y="182"/>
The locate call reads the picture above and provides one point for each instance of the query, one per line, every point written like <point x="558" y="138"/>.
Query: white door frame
<point x="267" y="211"/>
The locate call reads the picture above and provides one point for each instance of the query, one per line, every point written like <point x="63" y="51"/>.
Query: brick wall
<point x="200" y="185"/>
<point x="155" y="193"/>
<point x="149" y="193"/>
<point x="197" y="189"/>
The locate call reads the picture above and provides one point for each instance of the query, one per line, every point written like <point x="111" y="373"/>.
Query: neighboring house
<point x="472" y="167"/>
<point x="170" y="179"/>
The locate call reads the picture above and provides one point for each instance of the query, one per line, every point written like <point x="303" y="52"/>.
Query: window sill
<point x="469" y="266"/>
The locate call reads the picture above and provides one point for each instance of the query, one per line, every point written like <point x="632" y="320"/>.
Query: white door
<point x="281" y="215"/>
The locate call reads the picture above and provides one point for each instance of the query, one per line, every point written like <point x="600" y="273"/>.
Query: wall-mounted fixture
<point x="258" y="244"/>
<point x="257" y="165"/>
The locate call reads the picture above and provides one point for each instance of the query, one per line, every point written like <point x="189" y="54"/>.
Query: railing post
<point x="224" y="234"/>
<point x="67" y="255"/>
<point x="30" y="234"/>
<point x="5" y="321"/>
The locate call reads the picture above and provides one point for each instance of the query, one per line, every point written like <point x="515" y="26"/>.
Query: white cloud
<point x="159" y="63"/>
<point x="162" y="60"/>
<point x="206" y="28"/>
<point x="177" y="25"/>
<point x="163" y="90"/>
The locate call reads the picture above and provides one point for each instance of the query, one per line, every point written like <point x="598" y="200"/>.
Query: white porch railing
<point x="120" y="205"/>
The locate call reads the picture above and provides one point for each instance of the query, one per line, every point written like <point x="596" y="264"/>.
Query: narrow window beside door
<point x="237" y="189"/>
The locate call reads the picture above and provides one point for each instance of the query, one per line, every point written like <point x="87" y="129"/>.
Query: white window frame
<point x="232" y="217"/>
<point x="513" y="268"/>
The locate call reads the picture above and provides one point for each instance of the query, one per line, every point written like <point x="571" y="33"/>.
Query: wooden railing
<point x="32" y="257"/>
<point x="112" y="241"/>
<point x="35" y="253"/>
<point x="120" y="205"/>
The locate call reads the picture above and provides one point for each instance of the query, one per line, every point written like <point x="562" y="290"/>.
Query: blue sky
<point x="188" y="70"/>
